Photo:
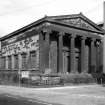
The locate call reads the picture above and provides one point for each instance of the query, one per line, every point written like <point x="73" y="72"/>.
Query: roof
<point x="76" y="16"/>
<point x="55" y="19"/>
<point x="100" y="24"/>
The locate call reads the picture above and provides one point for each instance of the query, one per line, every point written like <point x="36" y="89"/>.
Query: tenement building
<point x="61" y="44"/>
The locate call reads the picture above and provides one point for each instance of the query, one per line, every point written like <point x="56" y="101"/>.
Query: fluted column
<point x="47" y="47"/>
<point x="72" y="54"/>
<point x="60" y="54"/>
<point x="83" y="54"/>
<point x="44" y="47"/>
<point x="93" y="56"/>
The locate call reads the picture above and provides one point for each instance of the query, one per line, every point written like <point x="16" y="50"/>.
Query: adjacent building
<point x="61" y="44"/>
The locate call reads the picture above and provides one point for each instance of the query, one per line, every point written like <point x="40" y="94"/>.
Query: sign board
<point x="25" y="74"/>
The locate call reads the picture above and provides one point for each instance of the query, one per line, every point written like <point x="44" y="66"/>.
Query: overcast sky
<point x="15" y="14"/>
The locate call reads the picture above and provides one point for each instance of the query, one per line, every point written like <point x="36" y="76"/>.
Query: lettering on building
<point x="28" y="44"/>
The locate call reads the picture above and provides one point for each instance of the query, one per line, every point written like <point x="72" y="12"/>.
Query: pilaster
<point x="13" y="62"/>
<point x="6" y="62"/>
<point x="44" y="47"/>
<point x="20" y="61"/>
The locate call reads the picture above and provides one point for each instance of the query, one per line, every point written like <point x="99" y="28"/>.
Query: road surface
<point x="8" y="100"/>
<point x="67" y="95"/>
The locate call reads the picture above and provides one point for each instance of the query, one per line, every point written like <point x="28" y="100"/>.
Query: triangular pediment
<point x="79" y="21"/>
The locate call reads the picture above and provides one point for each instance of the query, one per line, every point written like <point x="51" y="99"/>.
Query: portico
<point x="72" y="50"/>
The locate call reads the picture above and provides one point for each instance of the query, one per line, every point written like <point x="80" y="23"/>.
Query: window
<point x="24" y="61"/>
<point x="16" y="63"/>
<point x="9" y="62"/>
<point x="3" y="62"/>
<point x="32" y="59"/>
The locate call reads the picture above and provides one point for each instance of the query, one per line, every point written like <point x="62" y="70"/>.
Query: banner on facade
<point x="25" y="74"/>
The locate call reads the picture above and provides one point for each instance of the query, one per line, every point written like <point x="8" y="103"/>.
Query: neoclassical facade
<point x="61" y="44"/>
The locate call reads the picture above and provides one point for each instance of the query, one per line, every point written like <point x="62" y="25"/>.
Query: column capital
<point x="83" y="37"/>
<point x="6" y="57"/>
<point x="92" y="39"/>
<point x="45" y="30"/>
<point x="72" y="35"/>
<point x="61" y="33"/>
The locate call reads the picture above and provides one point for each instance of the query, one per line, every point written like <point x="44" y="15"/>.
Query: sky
<point x="15" y="14"/>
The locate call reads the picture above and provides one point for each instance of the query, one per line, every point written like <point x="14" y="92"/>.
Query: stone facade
<point x="62" y="44"/>
<point x="20" y="53"/>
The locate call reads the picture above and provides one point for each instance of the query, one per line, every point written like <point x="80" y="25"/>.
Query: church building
<point x="61" y="44"/>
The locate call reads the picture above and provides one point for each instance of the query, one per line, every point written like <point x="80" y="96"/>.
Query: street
<point x="67" y="95"/>
<point x="8" y="100"/>
<point x="4" y="100"/>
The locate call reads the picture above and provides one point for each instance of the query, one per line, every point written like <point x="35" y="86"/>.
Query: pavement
<point x="66" y="95"/>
